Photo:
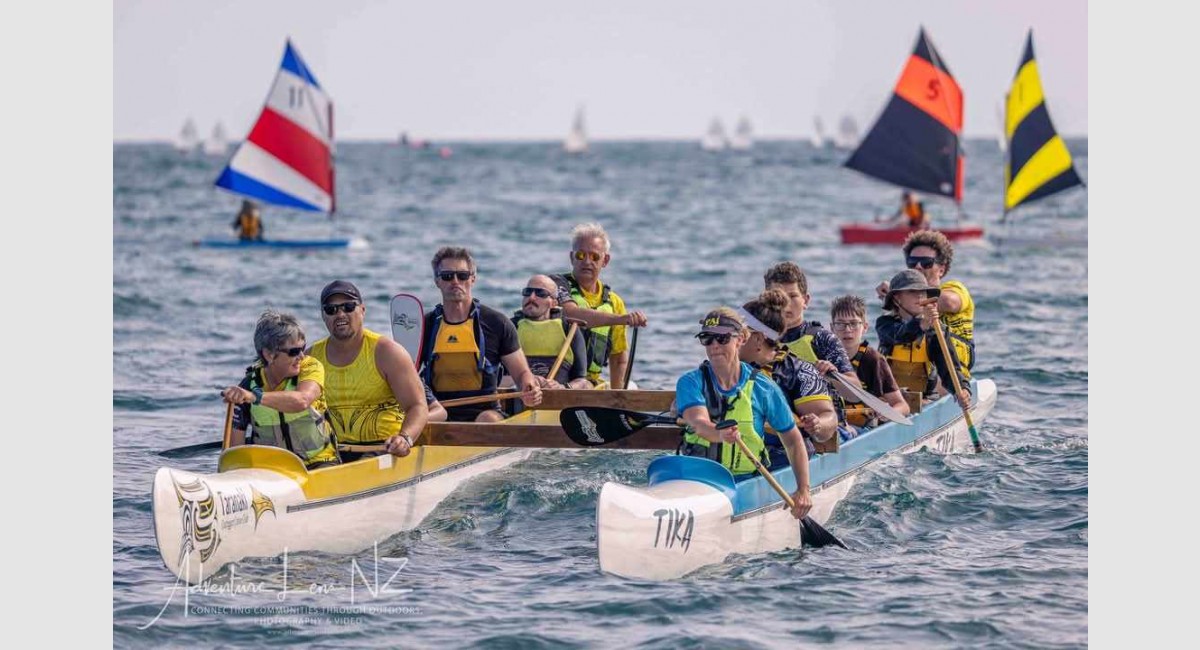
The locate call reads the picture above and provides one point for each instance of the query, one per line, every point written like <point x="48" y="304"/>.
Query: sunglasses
<point x="293" y="352"/>
<point x="583" y="255"/>
<point x="535" y="291"/>
<point x="923" y="262"/>
<point x="707" y="339"/>
<point x="345" y="307"/>
<point x="461" y="276"/>
<point x="846" y="324"/>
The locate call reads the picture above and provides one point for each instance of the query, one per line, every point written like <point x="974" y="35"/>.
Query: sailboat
<point x="287" y="158"/>
<point x="576" y="140"/>
<point x="847" y="133"/>
<point x="1037" y="162"/>
<point x="819" y="139"/>
<point x="916" y="144"/>
<point x="714" y="140"/>
<point x="743" y="135"/>
<point x="189" y="137"/>
<point x="217" y="143"/>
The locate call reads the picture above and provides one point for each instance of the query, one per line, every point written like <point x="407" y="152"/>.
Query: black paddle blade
<point x="814" y="535"/>
<point x="190" y="450"/>
<point x="593" y="426"/>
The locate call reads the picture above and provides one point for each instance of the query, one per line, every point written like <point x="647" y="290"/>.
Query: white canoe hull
<point x="674" y="527"/>
<point x="205" y="521"/>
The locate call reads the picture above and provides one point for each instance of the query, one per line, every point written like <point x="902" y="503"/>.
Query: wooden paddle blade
<point x="814" y="535"/>
<point x="596" y="426"/>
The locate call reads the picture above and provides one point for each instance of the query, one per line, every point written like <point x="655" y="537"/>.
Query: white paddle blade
<point x="408" y="324"/>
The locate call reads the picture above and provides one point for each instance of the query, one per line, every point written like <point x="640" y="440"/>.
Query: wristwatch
<point x="257" y="390"/>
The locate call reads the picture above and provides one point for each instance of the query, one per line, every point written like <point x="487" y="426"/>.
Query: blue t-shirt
<point x="768" y="401"/>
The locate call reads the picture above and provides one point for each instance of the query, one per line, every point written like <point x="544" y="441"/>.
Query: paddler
<point x="806" y="391"/>
<point x="466" y="342"/>
<point x="583" y="296"/>
<point x="371" y="385"/>
<point x="725" y="388"/>
<point x="907" y="339"/>
<point x="280" y="401"/>
<point x="931" y="253"/>
<point x="848" y="317"/>
<point x="542" y="333"/>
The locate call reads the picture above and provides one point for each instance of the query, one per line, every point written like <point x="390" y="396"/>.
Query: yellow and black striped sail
<point x="1038" y="162"/>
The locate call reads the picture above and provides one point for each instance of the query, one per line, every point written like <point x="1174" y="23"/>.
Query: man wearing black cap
<point x="907" y="339"/>
<point x="370" y="380"/>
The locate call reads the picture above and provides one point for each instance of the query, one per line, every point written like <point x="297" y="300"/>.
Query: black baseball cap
<point x="340" y="286"/>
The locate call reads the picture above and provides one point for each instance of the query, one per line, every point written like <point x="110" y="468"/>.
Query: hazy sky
<point x="517" y="69"/>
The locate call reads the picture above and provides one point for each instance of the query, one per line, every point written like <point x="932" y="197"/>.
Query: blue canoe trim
<point x="755" y="493"/>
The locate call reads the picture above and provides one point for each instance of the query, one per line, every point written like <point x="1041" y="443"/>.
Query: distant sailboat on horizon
<point x="743" y="135"/>
<point x="217" y="144"/>
<point x="819" y="139"/>
<point x="848" y="135"/>
<point x="714" y="139"/>
<point x="189" y="137"/>
<point x="576" y="140"/>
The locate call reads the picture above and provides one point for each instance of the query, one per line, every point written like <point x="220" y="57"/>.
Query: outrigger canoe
<point x="262" y="500"/>
<point x="692" y="514"/>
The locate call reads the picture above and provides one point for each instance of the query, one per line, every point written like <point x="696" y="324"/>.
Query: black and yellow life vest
<point x="303" y="433"/>
<point x="857" y="413"/>
<point x="740" y="407"/>
<point x="911" y="365"/>
<point x="456" y="365"/>
<point x="803" y="346"/>
<point x="599" y="339"/>
<point x="541" y="341"/>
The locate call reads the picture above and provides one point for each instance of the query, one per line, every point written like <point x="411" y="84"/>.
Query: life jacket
<point x="248" y="225"/>
<point x="915" y="212"/>
<point x="857" y="413"/>
<point x="911" y="365"/>
<point x="740" y="407"/>
<point x="304" y="433"/>
<point x="598" y="339"/>
<point x="541" y="341"/>
<point x="456" y="365"/>
<point x="803" y="348"/>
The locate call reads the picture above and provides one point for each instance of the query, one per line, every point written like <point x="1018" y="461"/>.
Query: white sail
<point x="743" y="135"/>
<point x="819" y="139"/>
<point x="715" y="139"/>
<point x="576" y="141"/>
<point x="218" y="142"/>
<point x="847" y="137"/>
<point x="189" y="137"/>
<point x="1001" y="139"/>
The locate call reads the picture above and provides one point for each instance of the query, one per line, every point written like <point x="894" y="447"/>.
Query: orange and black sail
<point x="916" y="141"/>
<point x="1038" y="162"/>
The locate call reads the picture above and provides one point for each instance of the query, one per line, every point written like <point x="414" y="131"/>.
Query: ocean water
<point x="946" y="551"/>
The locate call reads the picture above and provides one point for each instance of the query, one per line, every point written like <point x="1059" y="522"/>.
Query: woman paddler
<point x="725" y="388"/>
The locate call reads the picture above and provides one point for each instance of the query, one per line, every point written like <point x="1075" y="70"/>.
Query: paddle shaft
<point x="629" y="365"/>
<point x="787" y="498"/>
<point x="562" y="354"/>
<point x="228" y="427"/>
<point x="480" y="399"/>
<point x="952" y="362"/>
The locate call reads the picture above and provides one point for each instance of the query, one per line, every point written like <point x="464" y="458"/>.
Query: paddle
<point x="481" y="399"/>
<point x="881" y="407"/>
<point x="811" y="532"/>
<point x="228" y="427"/>
<point x="593" y="426"/>
<point x="408" y="324"/>
<point x="191" y="450"/>
<point x="952" y="361"/>
<point x="629" y="366"/>
<point x="562" y="353"/>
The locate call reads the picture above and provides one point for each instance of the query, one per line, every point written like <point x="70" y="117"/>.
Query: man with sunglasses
<point x="543" y="332"/>
<point x="466" y="343"/>
<point x="280" y="400"/>
<point x="931" y="253"/>
<point x="583" y="296"/>
<point x="370" y="380"/>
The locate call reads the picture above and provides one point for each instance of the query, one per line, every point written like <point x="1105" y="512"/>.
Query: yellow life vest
<point x="960" y="328"/>
<point x="911" y="365"/>
<point x="857" y="413"/>
<point x="455" y="364"/>
<point x="362" y="407"/>
<point x="303" y="433"/>
<point x="803" y="347"/>
<point x="248" y="225"/>
<point x="541" y="341"/>
<point x="740" y="407"/>
<point x="598" y="339"/>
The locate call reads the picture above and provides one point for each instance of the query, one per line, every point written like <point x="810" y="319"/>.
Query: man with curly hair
<point x="931" y="253"/>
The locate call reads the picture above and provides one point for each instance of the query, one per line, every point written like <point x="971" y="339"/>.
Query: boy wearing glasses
<point x="583" y="296"/>
<point x="543" y="333"/>
<point x="466" y="343"/>
<point x="929" y="252"/>
<point x="849" y="320"/>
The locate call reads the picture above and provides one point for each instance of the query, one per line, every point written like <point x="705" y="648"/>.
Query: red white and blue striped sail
<point x="287" y="159"/>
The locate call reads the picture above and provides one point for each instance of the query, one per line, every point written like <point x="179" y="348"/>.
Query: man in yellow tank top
<point x="371" y="384"/>
<point x="931" y="253"/>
